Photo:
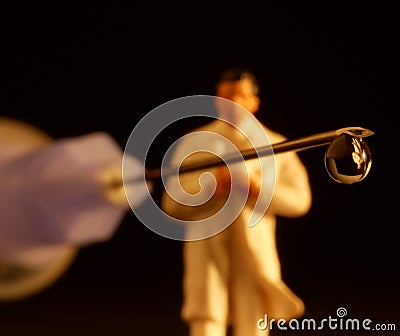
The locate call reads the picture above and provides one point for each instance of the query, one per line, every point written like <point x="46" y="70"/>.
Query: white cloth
<point x="234" y="276"/>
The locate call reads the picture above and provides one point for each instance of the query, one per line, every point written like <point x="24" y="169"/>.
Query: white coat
<point x="234" y="277"/>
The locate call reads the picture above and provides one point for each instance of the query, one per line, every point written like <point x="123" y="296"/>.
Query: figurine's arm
<point x="292" y="195"/>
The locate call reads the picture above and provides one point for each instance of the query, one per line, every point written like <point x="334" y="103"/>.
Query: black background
<point x="74" y="69"/>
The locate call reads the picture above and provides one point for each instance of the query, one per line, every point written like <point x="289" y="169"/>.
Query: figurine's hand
<point x="236" y="181"/>
<point x="223" y="180"/>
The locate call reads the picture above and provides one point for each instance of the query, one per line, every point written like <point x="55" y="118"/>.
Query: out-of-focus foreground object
<point x="53" y="200"/>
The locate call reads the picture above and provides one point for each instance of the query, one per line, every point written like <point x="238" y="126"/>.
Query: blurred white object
<point x="56" y="195"/>
<point x="137" y="192"/>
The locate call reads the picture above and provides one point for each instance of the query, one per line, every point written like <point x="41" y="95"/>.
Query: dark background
<point x="74" y="69"/>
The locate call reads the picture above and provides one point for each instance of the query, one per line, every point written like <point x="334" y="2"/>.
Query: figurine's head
<point x="240" y="86"/>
